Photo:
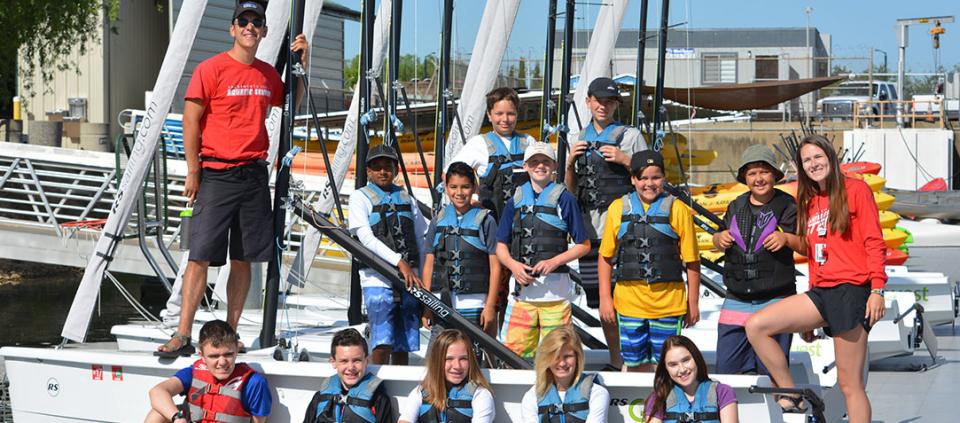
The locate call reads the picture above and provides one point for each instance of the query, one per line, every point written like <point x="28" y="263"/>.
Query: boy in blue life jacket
<point x="598" y="172"/>
<point x="532" y="242"/>
<point x="352" y="395"/>
<point x="217" y="388"/>
<point x="388" y="222"/>
<point x="461" y="260"/>
<point x="649" y="239"/>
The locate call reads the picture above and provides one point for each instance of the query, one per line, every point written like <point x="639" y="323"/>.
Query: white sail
<point x="597" y="61"/>
<point x="492" y="40"/>
<point x="345" y="148"/>
<point x="181" y="41"/>
<point x="278" y="15"/>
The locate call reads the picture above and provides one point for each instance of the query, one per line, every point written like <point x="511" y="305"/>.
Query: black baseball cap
<point x="641" y="159"/>
<point x="381" y="150"/>
<point x="603" y="88"/>
<point x="250" y="6"/>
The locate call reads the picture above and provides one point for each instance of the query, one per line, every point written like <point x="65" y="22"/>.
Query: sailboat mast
<point x="546" y="102"/>
<point x="638" y="119"/>
<point x="565" y="72"/>
<point x="354" y="312"/>
<point x="393" y="71"/>
<point x="444" y="84"/>
<point x="282" y="183"/>
<point x="658" y="115"/>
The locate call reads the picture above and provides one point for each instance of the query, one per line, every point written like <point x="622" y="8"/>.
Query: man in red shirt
<point x="225" y="142"/>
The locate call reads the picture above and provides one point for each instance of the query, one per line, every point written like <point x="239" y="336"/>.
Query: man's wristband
<point x="878" y="291"/>
<point x="177" y="415"/>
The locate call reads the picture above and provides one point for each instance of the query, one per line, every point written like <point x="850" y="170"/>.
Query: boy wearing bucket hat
<point x="387" y="221"/>
<point x="648" y="245"/>
<point x="758" y="269"/>
<point x="532" y="243"/>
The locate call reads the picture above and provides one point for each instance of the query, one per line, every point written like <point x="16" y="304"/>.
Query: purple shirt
<point x="725" y="397"/>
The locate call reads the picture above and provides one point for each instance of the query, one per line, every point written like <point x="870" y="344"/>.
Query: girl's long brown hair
<point x="662" y="383"/>
<point x="836" y="190"/>
<point x="549" y="350"/>
<point x="435" y="381"/>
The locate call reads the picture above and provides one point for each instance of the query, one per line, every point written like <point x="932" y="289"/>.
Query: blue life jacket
<point x="575" y="405"/>
<point x="599" y="182"/>
<point x="703" y="409"/>
<point x="459" y="406"/>
<point x="539" y="233"/>
<point x="498" y="180"/>
<point x="355" y="407"/>
<point x="461" y="261"/>
<point x="391" y="220"/>
<point x="647" y="247"/>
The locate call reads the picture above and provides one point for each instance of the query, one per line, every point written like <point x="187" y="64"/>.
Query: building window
<point x="766" y="68"/>
<point x="720" y="68"/>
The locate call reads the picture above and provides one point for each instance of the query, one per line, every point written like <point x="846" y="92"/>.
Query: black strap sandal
<point x="797" y="405"/>
<point x="610" y="368"/>
<point x="185" y="349"/>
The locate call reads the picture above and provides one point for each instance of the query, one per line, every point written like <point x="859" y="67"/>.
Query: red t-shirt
<point x="236" y="98"/>
<point x="856" y="256"/>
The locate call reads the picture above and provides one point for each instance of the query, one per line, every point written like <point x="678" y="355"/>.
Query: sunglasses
<point x="243" y="22"/>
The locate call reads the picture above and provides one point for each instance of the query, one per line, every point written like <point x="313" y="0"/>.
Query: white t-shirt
<point x="553" y="287"/>
<point x="474" y="153"/>
<point x="359" y="222"/>
<point x="599" y="403"/>
<point x="483" y="407"/>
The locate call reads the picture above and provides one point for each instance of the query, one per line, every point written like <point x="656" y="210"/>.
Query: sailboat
<point x="95" y="383"/>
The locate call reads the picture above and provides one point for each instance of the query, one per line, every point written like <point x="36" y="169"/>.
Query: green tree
<point x="351" y="72"/>
<point x="522" y="70"/>
<point x="46" y="33"/>
<point x="537" y="82"/>
<point x="839" y="69"/>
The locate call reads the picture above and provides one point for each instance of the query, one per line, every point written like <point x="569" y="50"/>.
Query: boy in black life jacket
<point x="649" y="241"/>
<point x="598" y="173"/>
<point x="352" y="395"/>
<point x="388" y="222"/>
<point x="461" y="264"/>
<point x="758" y="269"/>
<point x="532" y="243"/>
<point x="215" y="385"/>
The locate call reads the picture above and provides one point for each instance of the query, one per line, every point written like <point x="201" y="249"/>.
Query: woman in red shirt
<point x="839" y="230"/>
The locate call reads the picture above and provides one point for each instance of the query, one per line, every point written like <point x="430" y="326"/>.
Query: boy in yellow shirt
<point x="648" y="242"/>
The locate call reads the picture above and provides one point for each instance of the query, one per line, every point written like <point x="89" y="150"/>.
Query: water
<point x="35" y="299"/>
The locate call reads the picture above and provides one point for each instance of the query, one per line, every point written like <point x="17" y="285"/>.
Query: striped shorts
<point x="642" y="339"/>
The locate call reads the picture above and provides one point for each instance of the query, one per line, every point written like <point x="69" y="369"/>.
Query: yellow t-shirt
<point x="639" y="298"/>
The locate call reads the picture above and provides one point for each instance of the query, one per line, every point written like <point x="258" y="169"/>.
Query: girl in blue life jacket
<point x="683" y="391"/>
<point x="563" y="393"/>
<point x="453" y="390"/>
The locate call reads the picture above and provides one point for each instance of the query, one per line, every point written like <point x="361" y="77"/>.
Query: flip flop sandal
<point x="796" y="404"/>
<point x="185" y="350"/>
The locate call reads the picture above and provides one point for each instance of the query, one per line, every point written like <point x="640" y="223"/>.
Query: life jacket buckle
<point x="750" y="258"/>
<point x="686" y="417"/>
<point x="527" y="209"/>
<point x="642" y="242"/>
<point x="340" y="399"/>
<point x="527" y="233"/>
<point x="391" y="207"/>
<point x="555" y="409"/>
<point x="528" y="249"/>
<point x="455" y="255"/>
<point x="457" y="269"/>
<point x="751" y="273"/>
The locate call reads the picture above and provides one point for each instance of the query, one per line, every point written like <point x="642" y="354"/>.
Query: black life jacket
<point x="599" y="182"/>
<point x="648" y="248"/>
<point x="539" y="233"/>
<point x="461" y="261"/>
<point x="392" y="221"/>
<point x="752" y="272"/>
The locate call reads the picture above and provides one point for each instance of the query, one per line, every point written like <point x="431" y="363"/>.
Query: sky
<point x="856" y="26"/>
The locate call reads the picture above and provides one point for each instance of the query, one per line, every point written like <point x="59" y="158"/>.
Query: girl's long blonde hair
<point x="435" y="382"/>
<point x="547" y="354"/>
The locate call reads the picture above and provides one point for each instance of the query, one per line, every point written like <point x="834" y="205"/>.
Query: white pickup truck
<point x="840" y="102"/>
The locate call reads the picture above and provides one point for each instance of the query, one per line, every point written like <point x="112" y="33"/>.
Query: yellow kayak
<point x="876" y="182"/>
<point x="888" y="219"/>
<point x="884" y="200"/>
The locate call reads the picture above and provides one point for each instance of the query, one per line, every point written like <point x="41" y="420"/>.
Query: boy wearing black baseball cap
<point x="388" y="222"/>
<point x="597" y="173"/>
<point x="648" y="244"/>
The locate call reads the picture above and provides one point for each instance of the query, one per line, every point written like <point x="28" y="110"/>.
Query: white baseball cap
<point x="539" y="148"/>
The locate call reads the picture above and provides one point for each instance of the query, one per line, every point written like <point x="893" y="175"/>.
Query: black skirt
<point x="842" y="306"/>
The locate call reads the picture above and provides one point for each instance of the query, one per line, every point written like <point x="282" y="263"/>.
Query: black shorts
<point x="842" y="306"/>
<point x="232" y="204"/>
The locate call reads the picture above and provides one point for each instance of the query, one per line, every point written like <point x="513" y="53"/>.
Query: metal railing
<point x="885" y="111"/>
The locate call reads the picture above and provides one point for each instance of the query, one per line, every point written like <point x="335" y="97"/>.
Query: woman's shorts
<point x="842" y="306"/>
